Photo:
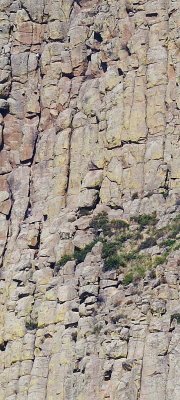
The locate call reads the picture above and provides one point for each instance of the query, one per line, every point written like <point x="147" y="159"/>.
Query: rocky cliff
<point x="89" y="206"/>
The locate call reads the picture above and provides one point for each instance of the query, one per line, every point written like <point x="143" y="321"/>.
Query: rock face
<point x="89" y="107"/>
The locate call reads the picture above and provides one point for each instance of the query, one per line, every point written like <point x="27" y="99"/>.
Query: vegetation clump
<point x="123" y="238"/>
<point x="120" y="248"/>
<point x="145" y="220"/>
<point x="165" y="193"/>
<point x="31" y="325"/>
<point x="80" y="254"/>
<point x="128" y="279"/>
<point x="109" y="249"/>
<point x="119" y="224"/>
<point x="132" y="255"/>
<point x="160" y="259"/>
<point x="149" y="242"/>
<point x="100" y="222"/>
<point x="176" y="316"/>
<point x="175" y="228"/>
<point x="167" y="243"/>
<point x="64" y="259"/>
<point x="113" y="262"/>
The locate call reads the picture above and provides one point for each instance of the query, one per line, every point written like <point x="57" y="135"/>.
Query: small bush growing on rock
<point x="139" y="272"/>
<point x="64" y="259"/>
<point x="165" y="193"/>
<point x="101" y="222"/>
<point x="149" y="242"/>
<point x="113" y="262"/>
<point x="145" y="219"/>
<point x="167" y="243"/>
<point x="123" y="238"/>
<point x="160" y="259"/>
<point x="128" y="279"/>
<point x="119" y="224"/>
<point x="132" y="255"/>
<point x="159" y="233"/>
<point x="31" y="325"/>
<point x="80" y="254"/>
<point x="175" y="228"/>
<point x="84" y="211"/>
<point x="97" y="329"/>
<point x="176" y="316"/>
<point x="137" y="235"/>
<point x="109" y="249"/>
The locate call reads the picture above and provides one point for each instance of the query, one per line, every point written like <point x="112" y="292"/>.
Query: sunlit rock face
<point x="89" y="124"/>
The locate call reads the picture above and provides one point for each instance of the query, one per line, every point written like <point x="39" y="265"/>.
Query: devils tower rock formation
<point x="89" y="200"/>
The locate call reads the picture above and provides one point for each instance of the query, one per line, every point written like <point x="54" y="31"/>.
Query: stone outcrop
<point x="89" y="122"/>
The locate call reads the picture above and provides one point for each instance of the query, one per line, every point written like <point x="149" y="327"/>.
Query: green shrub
<point x="119" y="224"/>
<point x="109" y="249"/>
<point x="145" y="219"/>
<point x="64" y="259"/>
<point x="137" y="235"/>
<point x="160" y="259"/>
<point x="128" y="279"/>
<point x="132" y="255"/>
<point x="139" y="272"/>
<point x="167" y="243"/>
<point x="80" y="254"/>
<point x="101" y="221"/>
<point x="113" y="262"/>
<point x="176" y="316"/>
<point x="165" y="193"/>
<point x="122" y="260"/>
<point x="31" y="325"/>
<point x="174" y="228"/>
<point x="149" y="242"/>
<point x="159" y="233"/>
<point x="122" y="238"/>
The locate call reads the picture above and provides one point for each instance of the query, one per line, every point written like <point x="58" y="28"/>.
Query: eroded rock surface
<point x="89" y="120"/>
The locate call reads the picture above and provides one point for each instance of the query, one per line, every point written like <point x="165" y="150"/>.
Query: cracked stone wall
<point x="89" y="108"/>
